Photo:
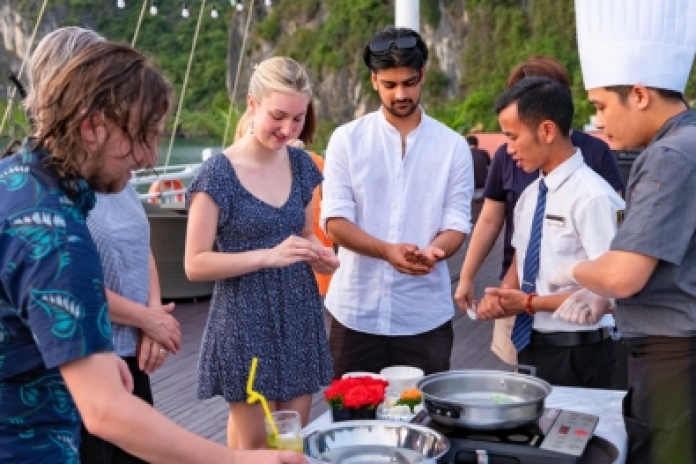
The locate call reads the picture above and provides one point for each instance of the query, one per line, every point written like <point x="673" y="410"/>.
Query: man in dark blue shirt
<point x="504" y="185"/>
<point x="50" y="299"/>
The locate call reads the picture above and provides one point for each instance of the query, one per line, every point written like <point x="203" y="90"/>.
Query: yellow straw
<point x="256" y="396"/>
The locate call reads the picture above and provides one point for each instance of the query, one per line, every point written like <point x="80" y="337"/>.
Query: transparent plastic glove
<point x="563" y="277"/>
<point x="584" y="307"/>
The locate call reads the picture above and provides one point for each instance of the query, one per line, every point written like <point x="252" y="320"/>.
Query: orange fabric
<point x="322" y="279"/>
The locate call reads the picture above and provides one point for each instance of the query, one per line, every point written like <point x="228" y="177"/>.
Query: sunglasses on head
<point x="384" y="45"/>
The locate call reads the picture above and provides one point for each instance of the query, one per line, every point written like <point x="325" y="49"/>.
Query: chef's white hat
<point x="628" y="42"/>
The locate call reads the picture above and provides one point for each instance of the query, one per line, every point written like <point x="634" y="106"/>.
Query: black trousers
<point x="358" y="351"/>
<point x="590" y="366"/>
<point x="620" y="379"/>
<point x="94" y="450"/>
<point x="660" y="406"/>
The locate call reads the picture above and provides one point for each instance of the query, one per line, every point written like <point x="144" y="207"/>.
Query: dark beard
<point x="103" y="184"/>
<point x="402" y="114"/>
<point x="99" y="180"/>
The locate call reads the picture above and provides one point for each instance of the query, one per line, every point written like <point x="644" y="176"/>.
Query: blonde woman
<point x="323" y="280"/>
<point x="254" y="201"/>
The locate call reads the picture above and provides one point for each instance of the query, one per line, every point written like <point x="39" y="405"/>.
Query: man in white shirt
<point x="569" y="212"/>
<point x="397" y="196"/>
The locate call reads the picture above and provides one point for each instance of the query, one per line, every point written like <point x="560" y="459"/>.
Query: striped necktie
<point x="522" y="330"/>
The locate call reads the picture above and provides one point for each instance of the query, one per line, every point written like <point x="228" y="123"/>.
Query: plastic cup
<point x="289" y="435"/>
<point x="402" y="377"/>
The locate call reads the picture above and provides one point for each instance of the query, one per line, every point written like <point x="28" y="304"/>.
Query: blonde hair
<point x="51" y="55"/>
<point x="282" y="74"/>
<point x="242" y="125"/>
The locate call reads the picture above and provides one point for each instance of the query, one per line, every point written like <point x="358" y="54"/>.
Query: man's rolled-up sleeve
<point x="460" y="189"/>
<point x="337" y="191"/>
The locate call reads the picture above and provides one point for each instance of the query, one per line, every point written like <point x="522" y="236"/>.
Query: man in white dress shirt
<point x="579" y="219"/>
<point x="397" y="197"/>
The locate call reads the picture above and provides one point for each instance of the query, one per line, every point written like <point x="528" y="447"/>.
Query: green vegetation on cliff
<point x="327" y="36"/>
<point x="502" y="33"/>
<point x="167" y="37"/>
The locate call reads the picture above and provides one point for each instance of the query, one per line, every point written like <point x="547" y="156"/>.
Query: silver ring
<point x="163" y="351"/>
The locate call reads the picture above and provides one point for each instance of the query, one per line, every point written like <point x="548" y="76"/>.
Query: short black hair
<point x="472" y="140"/>
<point x="624" y="90"/>
<point x="539" y="99"/>
<point x="415" y="57"/>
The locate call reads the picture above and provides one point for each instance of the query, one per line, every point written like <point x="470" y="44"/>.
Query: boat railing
<point x="148" y="176"/>
<point x="173" y="177"/>
<point x="166" y="214"/>
<point x="164" y="196"/>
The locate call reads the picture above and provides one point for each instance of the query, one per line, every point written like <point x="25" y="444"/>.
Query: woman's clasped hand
<point x="295" y="249"/>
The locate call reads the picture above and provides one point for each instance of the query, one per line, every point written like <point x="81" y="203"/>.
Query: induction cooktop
<point x="558" y="437"/>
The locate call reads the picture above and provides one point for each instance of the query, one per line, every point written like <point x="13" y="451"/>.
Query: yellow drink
<point x="287" y="441"/>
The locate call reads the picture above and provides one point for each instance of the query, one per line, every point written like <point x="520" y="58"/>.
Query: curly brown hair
<point x="52" y="53"/>
<point x="106" y="80"/>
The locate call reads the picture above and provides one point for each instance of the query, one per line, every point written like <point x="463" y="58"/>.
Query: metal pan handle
<point x="521" y="368"/>
<point x="442" y="409"/>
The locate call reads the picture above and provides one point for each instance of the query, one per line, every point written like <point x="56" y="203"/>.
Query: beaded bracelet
<point x="528" y="306"/>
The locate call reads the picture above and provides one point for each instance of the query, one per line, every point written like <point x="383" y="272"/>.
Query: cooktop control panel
<point x="570" y="431"/>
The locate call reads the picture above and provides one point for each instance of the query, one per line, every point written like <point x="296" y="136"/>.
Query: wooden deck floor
<point x="174" y="385"/>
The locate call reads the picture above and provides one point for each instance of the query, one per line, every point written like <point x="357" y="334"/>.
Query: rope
<point x="10" y="101"/>
<point x="239" y="68"/>
<point x="183" y="88"/>
<point x="137" y="26"/>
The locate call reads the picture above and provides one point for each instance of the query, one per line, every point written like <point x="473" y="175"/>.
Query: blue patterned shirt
<point x="52" y="307"/>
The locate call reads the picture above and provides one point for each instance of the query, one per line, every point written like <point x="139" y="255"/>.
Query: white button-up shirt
<point x="580" y="222"/>
<point x="397" y="200"/>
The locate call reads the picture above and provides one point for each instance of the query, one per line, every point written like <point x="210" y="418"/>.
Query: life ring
<point x="161" y="186"/>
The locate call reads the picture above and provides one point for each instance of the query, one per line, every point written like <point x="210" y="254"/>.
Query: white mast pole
<point x="408" y="14"/>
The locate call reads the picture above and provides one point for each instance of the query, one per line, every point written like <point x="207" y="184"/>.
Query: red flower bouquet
<point x="356" y="394"/>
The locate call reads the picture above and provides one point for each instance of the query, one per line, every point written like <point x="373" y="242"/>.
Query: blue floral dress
<point x="273" y="314"/>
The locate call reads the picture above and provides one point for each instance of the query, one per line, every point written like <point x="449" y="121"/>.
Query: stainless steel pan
<point x="484" y="400"/>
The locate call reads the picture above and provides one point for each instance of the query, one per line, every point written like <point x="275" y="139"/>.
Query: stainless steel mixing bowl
<point x="375" y="441"/>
